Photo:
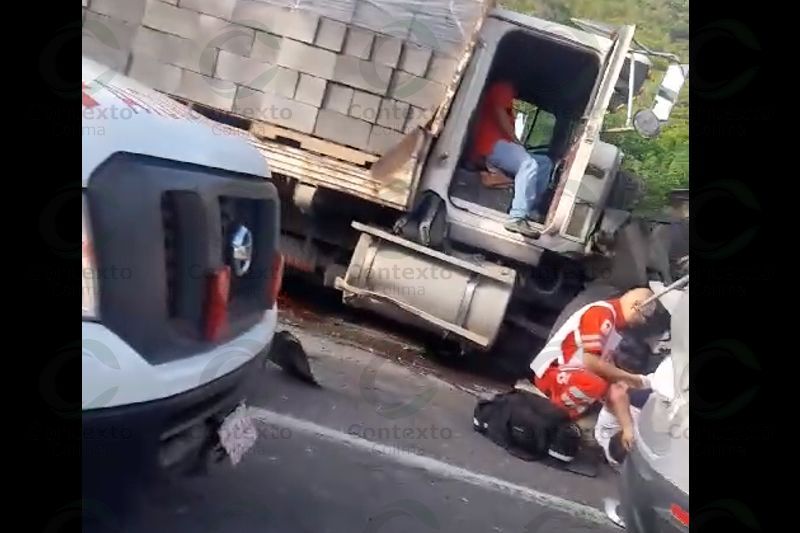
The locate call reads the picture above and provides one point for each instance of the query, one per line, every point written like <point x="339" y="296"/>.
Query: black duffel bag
<point x="528" y="426"/>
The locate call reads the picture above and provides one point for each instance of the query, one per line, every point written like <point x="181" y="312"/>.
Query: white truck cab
<point x="181" y="272"/>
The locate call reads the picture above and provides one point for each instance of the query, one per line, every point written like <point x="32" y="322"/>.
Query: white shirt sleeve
<point x="607" y="426"/>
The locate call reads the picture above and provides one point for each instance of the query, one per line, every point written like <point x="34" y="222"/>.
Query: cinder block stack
<point x="355" y="72"/>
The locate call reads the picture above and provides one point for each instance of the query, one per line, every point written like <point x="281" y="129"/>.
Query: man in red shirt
<point x="497" y="144"/>
<point x="575" y="368"/>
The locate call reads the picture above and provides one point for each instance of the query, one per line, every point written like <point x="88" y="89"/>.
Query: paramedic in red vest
<point x="575" y="368"/>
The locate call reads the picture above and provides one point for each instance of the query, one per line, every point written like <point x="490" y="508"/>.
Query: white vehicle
<point x="655" y="480"/>
<point x="181" y="273"/>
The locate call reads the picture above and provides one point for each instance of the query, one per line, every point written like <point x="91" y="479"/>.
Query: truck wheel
<point x="553" y="283"/>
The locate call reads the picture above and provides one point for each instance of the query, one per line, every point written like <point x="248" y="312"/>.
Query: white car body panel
<point x="114" y="374"/>
<point x="122" y="115"/>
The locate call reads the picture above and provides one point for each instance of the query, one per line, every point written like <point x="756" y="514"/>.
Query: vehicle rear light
<point x="680" y="514"/>
<point x="218" y="289"/>
<point x="89" y="288"/>
<point x="276" y="280"/>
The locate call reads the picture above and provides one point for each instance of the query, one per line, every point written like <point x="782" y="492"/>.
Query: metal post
<point x="630" y="91"/>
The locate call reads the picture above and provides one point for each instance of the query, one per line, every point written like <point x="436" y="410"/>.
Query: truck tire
<point x="627" y="191"/>
<point x="554" y="283"/>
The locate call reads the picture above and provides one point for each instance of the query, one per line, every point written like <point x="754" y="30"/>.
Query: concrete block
<point x="340" y="10"/>
<point x="212" y="32"/>
<point x="368" y="14"/>
<point x="170" y="19"/>
<point x="308" y="59"/>
<point x="393" y="114"/>
<point x="338" y="98"/>
<point x="358" y="43"/>
<point x="387" y="50"/>
<point x="174" y="50"/>
<point x="442" y="69"/>
<point x="112" y="57"/>
<point x="206" y="90"/>
<point x="299" y="24"/>
<point x="255" y="14"/>
<point x="275" y="110"/>
<point x="237" y="39"/>
<point x="192" y="56"/>
<point x="342" y="129"/>
<point x="382" y="139"/>
<point x="216" y="8"/>
<point x="147" y="70"/>
<point x="266" y="47"/>
<point x="419" y="92"/>
<point x="162" y="46"/>
<point x="331" y="35"/>
<point x="448" y="39"/>
<point x="109" y="32"/>
<point x="365" y="106"/>
<point x="131" y="11"/>
<point x="364" y="75"/>
<point x="256" y="74"/>
<point x="416" y="117"/>
<point x="243" y="70"/>
<point x="310" y="90"/>
<point x="247" y="102"/>
<point x="415" y="59"/>
<point x="284" y="82"/>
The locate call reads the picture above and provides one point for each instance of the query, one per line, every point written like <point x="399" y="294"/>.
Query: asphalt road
<point x="380" y="447"/>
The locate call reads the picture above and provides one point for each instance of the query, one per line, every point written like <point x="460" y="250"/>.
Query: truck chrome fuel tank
<point x="413" y="284"/>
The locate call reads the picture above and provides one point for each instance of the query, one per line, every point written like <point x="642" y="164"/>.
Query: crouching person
<point x="575" y="369"/>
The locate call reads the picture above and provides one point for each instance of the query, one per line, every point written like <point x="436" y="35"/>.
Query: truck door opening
<point x="554" y="81"/>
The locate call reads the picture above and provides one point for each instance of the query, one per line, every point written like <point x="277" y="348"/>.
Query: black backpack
<point x="527" y="425"/>
<point x="426" y="223"/>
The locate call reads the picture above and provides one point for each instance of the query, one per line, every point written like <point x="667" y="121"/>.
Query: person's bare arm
<point x="609" y="372"/>
<point x="620" y="405"/>
<point x="505" y="122"/>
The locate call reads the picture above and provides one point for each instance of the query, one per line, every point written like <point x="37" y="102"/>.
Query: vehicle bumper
<point x="114" y="374"/>
<point x="140" y="440"/>
<point x="647" y="498"/>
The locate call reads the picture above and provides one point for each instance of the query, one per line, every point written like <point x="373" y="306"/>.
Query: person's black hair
<point x="615" y="448"/>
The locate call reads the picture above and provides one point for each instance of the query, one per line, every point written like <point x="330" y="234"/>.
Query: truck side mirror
<point x="646" y="123"/>
<point x="668" y="91"/>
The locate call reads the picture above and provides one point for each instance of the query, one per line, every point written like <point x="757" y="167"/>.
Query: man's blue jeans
<point x="531" y="174"/>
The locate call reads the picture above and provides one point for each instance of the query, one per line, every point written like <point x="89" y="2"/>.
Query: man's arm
<point x="609" y="372"/>
<point x="620" y="406"/>
<point x="505" y="123"/>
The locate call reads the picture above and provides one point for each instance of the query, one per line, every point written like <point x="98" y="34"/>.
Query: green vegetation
<point x="538" y="129"/>
<point x="661" y="25"/>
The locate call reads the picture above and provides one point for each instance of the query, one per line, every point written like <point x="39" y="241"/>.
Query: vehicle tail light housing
<point x="275" y="280"/>
<point x="680" y="514"/>
<point x="218" y="289"/>
<point x="89" y="286"/>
